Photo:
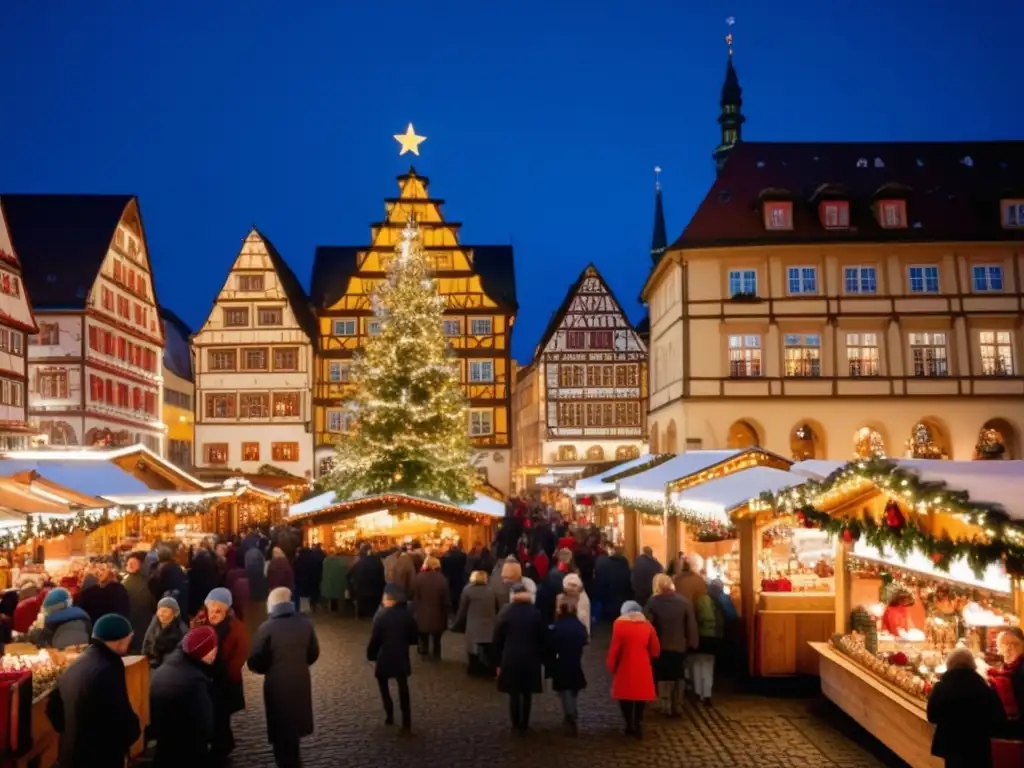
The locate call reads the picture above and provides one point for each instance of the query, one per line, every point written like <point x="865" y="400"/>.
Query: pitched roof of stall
<point x="335" y="265"/>
<point x="952" y="191"/>
<point x="293" y="290"/>
<point x="62" y="241"/>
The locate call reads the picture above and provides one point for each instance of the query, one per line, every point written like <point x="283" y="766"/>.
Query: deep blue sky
<point x="544" y="118"/>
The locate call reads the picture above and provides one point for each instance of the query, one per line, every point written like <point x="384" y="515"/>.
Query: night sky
<point x="544" y="119"/>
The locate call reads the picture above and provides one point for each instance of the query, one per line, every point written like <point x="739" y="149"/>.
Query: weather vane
<point x="409" y="141"/>
<point x="729" y="22"/>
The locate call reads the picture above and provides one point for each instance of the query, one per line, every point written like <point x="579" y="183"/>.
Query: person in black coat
<point x="90" y="708"/>
<point x="181" y="702"/>
<point x="107" y="596"/>
<point x="453" y="566"/>
<point x="566" y="641"/>
<point x="394" y="630"/>
<point x="366" y="580"/>
<point x="967" y="714"/>
<point x="202" y="578"/>
<point x="613" y="584"/>
<point x="169" y="580"/>
<point x="519" y="643"/>
<point x="283" y="650"/>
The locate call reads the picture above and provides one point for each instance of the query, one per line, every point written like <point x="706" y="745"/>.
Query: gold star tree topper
<point x="410" y="141"/>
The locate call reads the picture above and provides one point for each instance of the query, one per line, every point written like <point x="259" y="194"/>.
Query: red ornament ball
<point x="938" y="557"/>
<point x="899" y="659"/>
<point x="801" y="516"/>
<point x="847" y="536"/>
<point x="586" y="501"/>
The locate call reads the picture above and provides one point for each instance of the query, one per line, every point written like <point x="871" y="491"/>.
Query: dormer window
<point x="1013" y="214"/>
<point x="835" y="214"/>
<point x="778" y="215"/>
<point x="892" y="214"/>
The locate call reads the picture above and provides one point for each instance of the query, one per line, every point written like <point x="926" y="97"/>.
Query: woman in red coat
<point x="634" y="645"/>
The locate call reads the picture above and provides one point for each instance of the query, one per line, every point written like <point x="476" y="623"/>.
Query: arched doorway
<point x="928" y="440"/>
<point x="868" y="444"/>
<point x="742" y="434"/>
<point x="670" y="437"/>
<point x="654" y="439"/>
<point x="567" y="453"/>
<point x="997" y="439"/>
<point x="807" y="441"/>
<point x="595" y="453"/>
<point x="58" y="432"/>
<point x="626" y="452"/>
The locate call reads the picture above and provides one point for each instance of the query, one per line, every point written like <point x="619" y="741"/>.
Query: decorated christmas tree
<point x="409" y="405"/>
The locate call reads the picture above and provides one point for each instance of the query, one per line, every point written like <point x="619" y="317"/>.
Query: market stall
<point x="928" y="558"/>
<point x="779" y="576"/>
<point x="385" y="520"/>
<point x="642" y="494"/>
<point x="595" y="498"/>
<point x="40" y="748"/>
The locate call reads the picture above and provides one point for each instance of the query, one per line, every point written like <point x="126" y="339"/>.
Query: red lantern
<point x="586" y="501"/>
<point x="847" y="536"/>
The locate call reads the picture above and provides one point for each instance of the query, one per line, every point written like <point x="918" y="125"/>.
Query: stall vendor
<point x="896" y="618"/>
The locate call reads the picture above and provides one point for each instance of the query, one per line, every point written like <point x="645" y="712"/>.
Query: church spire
<point x="659" y="241"/>
<point x="731" y="118"/>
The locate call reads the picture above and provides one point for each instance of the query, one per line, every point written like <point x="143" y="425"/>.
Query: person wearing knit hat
<point x="394" y="630"/>
<point x="166" y="630"/>
<point x="93" y="690"/>
<point x="232" y="650"/>
<point x="181" y="707"/>
<point x="518" y="639"/>
<point x="63" y="623"/>
<point x="283" y="649"/>
<point x="201" y="644"/>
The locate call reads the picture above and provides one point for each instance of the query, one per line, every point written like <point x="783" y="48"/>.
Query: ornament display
<point x="894" y="517"/>
<point x="990" y="445"/>
<point x="922" y="445"/>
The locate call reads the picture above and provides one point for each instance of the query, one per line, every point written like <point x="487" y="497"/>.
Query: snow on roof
<point x="92" y="456"/>
<point x="650" y="485"/>
<point x="985" y="482"/>
<point x="482" y="505"/>
<point x="717" y="498"/>
<point x="93" y="478"/>
<point x="171" y="497"/>
<point x="594" y="485"/>
<point x="959" y="570"/>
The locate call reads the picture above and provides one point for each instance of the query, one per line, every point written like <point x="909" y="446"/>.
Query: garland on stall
<point x="655" y="461"/>
<point x="643" y="505"/>
<point x="702" y="527"/>
<point x="1003" y="542"/>
<point x="34" y="528"/>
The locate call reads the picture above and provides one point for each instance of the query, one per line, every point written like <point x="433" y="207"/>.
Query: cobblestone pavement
<point x="461" y="722"/>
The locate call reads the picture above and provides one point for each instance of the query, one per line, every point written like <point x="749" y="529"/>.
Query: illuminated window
<point x="745" y="356"/>
<point x="250" y="451"/>
<point x="803" y="354"/>
<point x="893" y="214"/>
<point x="287" y="404"/>
<point x="220" y="406"/>
<point x="254" y="405"/>
<point x="284" y="451"/>
<point x="836" y="214"/>
<point x="928" y="353"/>
<point x="215" y="453"/>
<point x="778" y="215"/>
<point x="996" y="353"/>
<point x="862" y="354"/>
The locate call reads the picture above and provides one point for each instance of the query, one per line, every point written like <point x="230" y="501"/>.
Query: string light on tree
<point x="411" y="410"/>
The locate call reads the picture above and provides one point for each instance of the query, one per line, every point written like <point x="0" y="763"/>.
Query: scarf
<point x="1002" y="681"/>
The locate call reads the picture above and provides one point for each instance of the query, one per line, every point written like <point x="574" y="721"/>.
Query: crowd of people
<point x="525" y="605"/>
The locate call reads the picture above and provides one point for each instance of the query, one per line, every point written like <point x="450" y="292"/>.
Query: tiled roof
<point x="62" y="241"/>
<point x="293" y="290"/>
<point x="952" y="191"/>
<point x="334" y="266"/>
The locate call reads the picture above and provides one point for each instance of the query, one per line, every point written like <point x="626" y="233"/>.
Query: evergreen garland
<point x="1005" y="542"/>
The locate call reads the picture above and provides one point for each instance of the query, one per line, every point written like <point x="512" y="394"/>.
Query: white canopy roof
<point x="650" y="485"/>
<point x="482" y="505"/>
<point x="985" y="482"/>
<point x="715" y="499"/>
<point x="993" y="578"/>
<point x="595" y="485"/>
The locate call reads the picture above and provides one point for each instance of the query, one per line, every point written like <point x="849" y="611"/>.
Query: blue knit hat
<point x="219" y="595"/>
<point x="56" y="600"/>
<point x="169" y="602"/>
<point x="111" y="628"/>
<point x="630" y="606"/>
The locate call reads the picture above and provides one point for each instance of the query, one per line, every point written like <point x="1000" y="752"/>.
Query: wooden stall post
<point x="673" y="540"/>
<point x="746" y="529"/>
<point x="844" y="587"/>
<point x="631" y="533"/>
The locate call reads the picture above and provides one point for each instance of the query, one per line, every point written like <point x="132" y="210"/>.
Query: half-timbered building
<point x="583" y="399"/>
<point x="253" y="364"/>
<point x="478" y="283"/>
<point x="16" y="323"/>
<point x="95" y="366"/>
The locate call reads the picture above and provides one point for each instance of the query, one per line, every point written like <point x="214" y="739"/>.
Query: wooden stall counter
<point x="786" y="623"/>
<point x="890" y="715"/>
<point x="45" y="740"/>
